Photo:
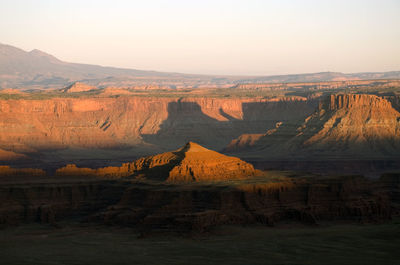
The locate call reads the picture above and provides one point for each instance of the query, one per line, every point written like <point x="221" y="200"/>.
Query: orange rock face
<point x="9" y="155"/>
<point x="6" y="171"/>
<point x="190" y="163"/>
<point x="344" y="126"/>
<point x="78" y="87"/>
<point x="198" y="164"/>
<point x="145" y="124"/>
<point x="105" y="172"/>
<point x="357" y="119"/>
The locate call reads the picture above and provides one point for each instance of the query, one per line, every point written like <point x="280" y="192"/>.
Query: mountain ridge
<point x="38" y="69"/>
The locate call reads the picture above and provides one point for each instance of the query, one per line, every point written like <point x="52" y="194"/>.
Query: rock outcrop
<point x="52" y="202"/>
<point x="191" y="163"/>
<point x="186" y="208"/>
<point x="200" y="209"/>
<point x="196" y="163"/>
<point x="136" y="126"/>
<point x="78" y="87"/>
<point x="344" y="126"/>
<point x="7" y="171"/>
<point x="9" y="155"/>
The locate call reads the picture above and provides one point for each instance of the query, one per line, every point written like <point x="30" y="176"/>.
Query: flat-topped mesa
<point x="201" y="164"/>
<point x="345" y="126"/>
<point x="72" y="170"/>
<point x="7" y="171"/>
<point x="346" y="101"/>
<point x="78" y="87"/>
<point x="363" y="124"/>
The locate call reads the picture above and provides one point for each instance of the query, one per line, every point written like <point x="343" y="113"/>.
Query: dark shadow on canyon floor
<point x="187" y="122"/>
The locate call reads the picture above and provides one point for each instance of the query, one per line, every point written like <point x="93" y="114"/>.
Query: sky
<point x="211" y="37"/>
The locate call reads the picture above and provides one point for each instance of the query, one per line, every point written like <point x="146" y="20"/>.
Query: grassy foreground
<point x="76" y="244"/>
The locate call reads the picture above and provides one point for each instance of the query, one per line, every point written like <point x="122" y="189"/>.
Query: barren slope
<point x="345" y="126"/>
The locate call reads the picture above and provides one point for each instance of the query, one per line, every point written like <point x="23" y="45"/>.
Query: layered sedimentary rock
<point x="72" y="170"/>
<point x="308" y="201"/>
<point x="196" y="163"/>
<point x="146" y="125"/>
<point x="200" y="208"/>
<point x="6" y="171"/>
<point x="190" y="163"/>
<point x="344" y="126"/>
<point x="51" y="202"/>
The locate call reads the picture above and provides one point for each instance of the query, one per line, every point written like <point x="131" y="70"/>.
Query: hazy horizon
<point x="211" y="37"/>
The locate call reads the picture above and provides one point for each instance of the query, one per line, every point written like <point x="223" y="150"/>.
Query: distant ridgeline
<point x="327" y="85"/>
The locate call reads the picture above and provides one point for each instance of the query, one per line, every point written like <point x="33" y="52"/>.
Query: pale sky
<point x="211" y="37"/>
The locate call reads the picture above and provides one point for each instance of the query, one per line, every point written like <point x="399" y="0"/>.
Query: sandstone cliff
<point x="344" y="126"/>
<point x="6" y="171"/>
<point x="202" y="208"/>
<point x="186" y="208"/>
<point x="136" y="126"/>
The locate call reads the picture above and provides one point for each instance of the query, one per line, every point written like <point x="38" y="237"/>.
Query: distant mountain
<point x="37" y="69"/>
<point x="321" y="77"/>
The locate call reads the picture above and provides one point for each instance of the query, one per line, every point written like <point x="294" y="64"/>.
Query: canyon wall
<point x="48" y="203"/>
<point x="144" y="124"/>
<point x="345" y="126"/>
<point x="201" y="207"/>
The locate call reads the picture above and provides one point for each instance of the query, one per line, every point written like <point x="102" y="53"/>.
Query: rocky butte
<point x="192" y="189"/>
<point x="191" y="163"/>
<point x="78" y="87"/>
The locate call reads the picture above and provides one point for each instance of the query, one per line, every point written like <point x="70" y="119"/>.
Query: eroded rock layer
<point x="140" y="125"/>
<point x="344" y="126"/>
<point x="200" y="208"/>
<point x="190" y="163"/>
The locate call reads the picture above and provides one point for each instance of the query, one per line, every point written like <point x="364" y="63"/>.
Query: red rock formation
<point x="51" y="202"/>
<point x="145" y="124"/>
<point x="78" y="87"/>
<point x="112" y="91"/>
<point x="365" y="122"/>
<point x="345" y="126"/>
<point x="187" y="164"/>
<point x="197" y="163"/>
<point x="201" y="207"/>
<point x="6" y="171"/>
<point x="72" y="170"/>
<point x="9" y="155"/>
